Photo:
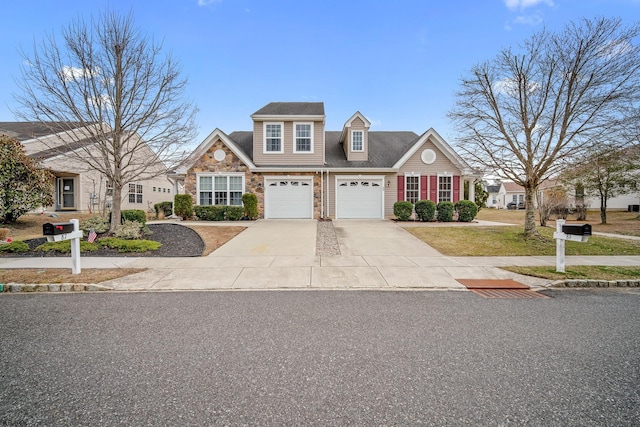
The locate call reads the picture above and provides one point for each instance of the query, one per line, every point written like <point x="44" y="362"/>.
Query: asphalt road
<point x="320" y="358"/>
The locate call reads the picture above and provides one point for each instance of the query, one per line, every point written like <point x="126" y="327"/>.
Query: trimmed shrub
<point x="426" y="210"/>
<point x="14" y="247"/>
<point x="98" y="223"/>
<point x="135" y="215"/>
<point x="130" y="230"/>
<point x="183" y="205"/>
<point x="210" y="213"/>
<point x="445" y="211"/>
<point x="219" y="213"/>
<point x="403" y="210"/>
<point x="130" y="245"/>
<point x="234" y="213"/>
<point x="250" y="203"/>
<point x="467" y="210"/>
<point x="164" y="207"/>
<point x="64" y="246"/>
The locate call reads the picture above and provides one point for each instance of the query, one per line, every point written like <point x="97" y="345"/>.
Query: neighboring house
<point x="297" y="169"/>
<point x="77" y="186"/>
<point x="494" y="200"/>
<point x="510" y="192"/>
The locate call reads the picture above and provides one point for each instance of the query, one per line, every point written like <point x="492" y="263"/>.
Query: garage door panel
<point x="358" y="198"/>
<point x="289" y="198"/>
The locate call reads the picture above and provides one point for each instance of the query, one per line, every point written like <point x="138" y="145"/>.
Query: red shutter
<point x="456" y="189"/>
<point x="434" y="188"/>
<point x="401" y="188"/>
<point x="423" y="188"/>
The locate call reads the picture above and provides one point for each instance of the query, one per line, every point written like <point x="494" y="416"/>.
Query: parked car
<point x="515" y="205"/>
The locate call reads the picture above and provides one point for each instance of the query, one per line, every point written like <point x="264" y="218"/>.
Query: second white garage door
<point x="288" y="198"/>
<point x="359" y="198"/>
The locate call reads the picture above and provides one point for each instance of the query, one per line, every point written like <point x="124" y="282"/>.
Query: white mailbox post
<point x="57" y="232"/>
<point x="573" y="232"/>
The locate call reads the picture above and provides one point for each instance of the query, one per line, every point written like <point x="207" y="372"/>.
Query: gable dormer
<point x="355" y="138"/>
<point x="289" y="134"/>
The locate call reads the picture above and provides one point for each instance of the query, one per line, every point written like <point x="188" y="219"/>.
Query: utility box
<point x="577" y="229"/>
<point x="56" y="228"/>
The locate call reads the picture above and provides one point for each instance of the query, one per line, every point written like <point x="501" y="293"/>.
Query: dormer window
<point x="356" y="140"/>
<point x="273" y="138"/>
<point x="303" y="138"/>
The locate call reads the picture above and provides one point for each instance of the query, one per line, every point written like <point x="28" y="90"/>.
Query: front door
<point x="66" y="194"/>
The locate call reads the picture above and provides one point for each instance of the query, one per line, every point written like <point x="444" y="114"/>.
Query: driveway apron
<point x="378" y="238"/>
<point x="273" y="238"/>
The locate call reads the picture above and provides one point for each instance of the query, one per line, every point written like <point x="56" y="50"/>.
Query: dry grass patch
<point x="618" y="222"/>
<point x="509" y="241"/>
<point x="215" y="236"/>
<point x="63" y="275"/>
<point x="29" y="226"/>
<point x="580" y="272"/>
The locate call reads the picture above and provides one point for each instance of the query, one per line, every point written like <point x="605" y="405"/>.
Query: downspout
<point x="321" y="194"/>
<point x="328" y="195"/>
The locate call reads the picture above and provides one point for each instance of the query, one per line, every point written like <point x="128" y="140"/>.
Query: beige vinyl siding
<point x="357" y="124"/>
<point x="441" y="164"/>
<point x="288" y="158"/>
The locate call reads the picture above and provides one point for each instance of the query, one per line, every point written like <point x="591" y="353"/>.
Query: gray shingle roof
<point x="292" y="109"/>
<point x="23" y="131"/>
<point x="493" y="188"/>
<point x="385" y="148"/>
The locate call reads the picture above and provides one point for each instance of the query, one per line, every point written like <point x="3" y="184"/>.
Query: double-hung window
<point x="273" y="138"/>
<point x="220" y="190"/>
<point x="445" y="189"/>
<point x="412" y="189"/>
<point x="357" y="138"/>
<point x="303" y="138"/>
<point x="135" y="193"/>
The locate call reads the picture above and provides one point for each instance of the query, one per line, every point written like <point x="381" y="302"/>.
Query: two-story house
<point x="298" y="169"/>
<point x="78" y="186"/>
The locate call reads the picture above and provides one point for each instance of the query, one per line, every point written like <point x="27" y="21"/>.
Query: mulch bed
<point x="177" y="241"/>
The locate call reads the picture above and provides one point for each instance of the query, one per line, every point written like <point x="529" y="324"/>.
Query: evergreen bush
<point x="183" y="205"/>
<point x="136" y="215"/>
<point x="403" y="210"/>
<point x="164" y="207"/>
<point x="250" y="203"/>
<point x="467" y="210"/>
<point x="445" y="211"/>
<point x="425" y="210"/>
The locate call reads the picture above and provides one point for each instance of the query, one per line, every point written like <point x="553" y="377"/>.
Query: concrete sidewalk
<point x="280" y="254"/>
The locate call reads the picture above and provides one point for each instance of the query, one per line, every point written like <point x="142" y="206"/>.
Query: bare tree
<point x="526" y="114"/>
<point x="112" y="82"/>
<point x="606" y="173"/>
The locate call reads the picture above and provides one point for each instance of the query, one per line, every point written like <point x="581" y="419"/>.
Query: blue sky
<point x="397" y="62"/>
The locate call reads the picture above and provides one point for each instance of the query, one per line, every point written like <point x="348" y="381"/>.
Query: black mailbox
<point x="53" y="229"/>
<point x="577" y="229"/>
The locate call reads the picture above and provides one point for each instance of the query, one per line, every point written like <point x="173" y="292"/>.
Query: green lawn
<point x="509" y="241"/>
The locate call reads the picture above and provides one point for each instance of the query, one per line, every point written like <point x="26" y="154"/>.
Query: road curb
<point x="52" y="287"/>
<point x="595" y="283"/>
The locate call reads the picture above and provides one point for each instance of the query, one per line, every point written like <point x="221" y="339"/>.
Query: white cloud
<point x="532" y="20"/>
<point x="523" y="4"/>
<point x="208" y="2"/>
<point x="69" y="73"/>
<point x="615" y="48"/>
<point x="102" y="101"/>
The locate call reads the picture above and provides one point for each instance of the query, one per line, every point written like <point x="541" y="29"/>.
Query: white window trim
<point x="264" y="138"/>
<point x="438" y="186"/>
<point x="413" y="175"/>
<point x="295" y="138"/>
<point x="352" y="149"/>
<point x="199" y="175"/>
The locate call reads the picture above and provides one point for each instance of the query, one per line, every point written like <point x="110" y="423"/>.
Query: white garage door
<point x="288" y="198"/>
<point x="359" y="198"/>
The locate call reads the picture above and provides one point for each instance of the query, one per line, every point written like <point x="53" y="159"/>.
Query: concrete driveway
<point x="378" y="238"/>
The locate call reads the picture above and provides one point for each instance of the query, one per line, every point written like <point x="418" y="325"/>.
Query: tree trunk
<point x="530" y="213"/>
<point x="116" y="207"/>
<point x="603" y="210"/>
